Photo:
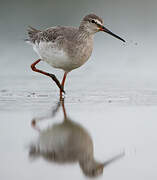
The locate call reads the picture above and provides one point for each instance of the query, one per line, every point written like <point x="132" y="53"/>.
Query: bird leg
<point x="62" y="84"/>
<point x="52" y="76"/>
<point x="63" y="107"/>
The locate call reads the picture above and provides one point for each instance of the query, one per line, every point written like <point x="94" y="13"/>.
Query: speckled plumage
<point x="64" y="47"/>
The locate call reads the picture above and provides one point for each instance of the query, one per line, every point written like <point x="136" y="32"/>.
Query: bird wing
<point x="51" y="34"/>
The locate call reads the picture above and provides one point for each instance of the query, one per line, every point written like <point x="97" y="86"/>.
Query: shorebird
<point x="66" y="48"/>
<point x="67" y="142"/>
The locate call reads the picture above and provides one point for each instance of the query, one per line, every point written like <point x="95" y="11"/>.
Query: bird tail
<point x="32" y="33"/>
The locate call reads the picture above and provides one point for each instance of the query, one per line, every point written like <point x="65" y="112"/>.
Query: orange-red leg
<point x="62" y="84"/>
<point x="63" y="107"/>
<point x="52" y="76"/>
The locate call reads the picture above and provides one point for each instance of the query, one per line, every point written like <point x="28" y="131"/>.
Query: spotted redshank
<point x="66" y="48"/>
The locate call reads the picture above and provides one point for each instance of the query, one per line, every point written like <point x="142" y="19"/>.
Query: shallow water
<point x="113" y="97"/>
<point x="119" y="115"/>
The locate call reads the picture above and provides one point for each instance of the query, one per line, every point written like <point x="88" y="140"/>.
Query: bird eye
<point x="93" y="21"/>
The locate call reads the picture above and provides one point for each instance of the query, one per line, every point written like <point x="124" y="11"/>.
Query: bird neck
<point x="83" y="35"/>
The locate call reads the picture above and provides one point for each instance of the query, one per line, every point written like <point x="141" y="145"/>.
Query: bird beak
<point x="102" y="28"/>
<point x="113" y="159"/>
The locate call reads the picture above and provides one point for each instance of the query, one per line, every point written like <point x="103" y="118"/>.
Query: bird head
<point x="93" y="23"/>
<point x="91" y="168"/>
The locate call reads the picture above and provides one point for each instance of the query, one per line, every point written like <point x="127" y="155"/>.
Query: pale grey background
<point x="133" y="20"/>
<point x="113" y="96"/>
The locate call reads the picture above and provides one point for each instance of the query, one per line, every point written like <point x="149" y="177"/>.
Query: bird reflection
<point x="67" y="142"/>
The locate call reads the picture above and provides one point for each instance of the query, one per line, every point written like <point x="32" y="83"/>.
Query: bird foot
<point x="62" y="90"/>
<point x="62" y="95"/>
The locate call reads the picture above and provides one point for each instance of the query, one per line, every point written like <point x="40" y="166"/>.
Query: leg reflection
<point x="68" y="142"/>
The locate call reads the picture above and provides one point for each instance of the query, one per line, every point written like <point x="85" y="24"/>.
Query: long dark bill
<point x="111" y="33"/>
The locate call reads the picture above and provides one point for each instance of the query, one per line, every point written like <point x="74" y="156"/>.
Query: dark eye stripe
<point x="95" y="22"/>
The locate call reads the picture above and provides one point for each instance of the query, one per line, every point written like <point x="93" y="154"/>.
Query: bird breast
<point x="63" y="54"/>
<point x="68" y="141"/>
<point x="82" y="52"/>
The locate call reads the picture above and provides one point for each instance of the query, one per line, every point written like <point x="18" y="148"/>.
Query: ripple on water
<point x="11" y="100"/>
